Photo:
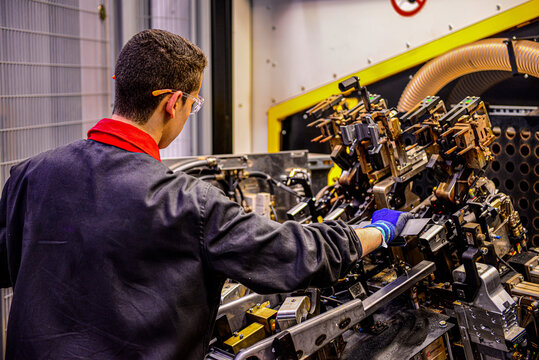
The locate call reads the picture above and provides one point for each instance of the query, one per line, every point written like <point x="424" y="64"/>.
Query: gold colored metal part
<point x="473" y="134"/>
<point x="263" y="315"/>
<point x="246" y="337"/>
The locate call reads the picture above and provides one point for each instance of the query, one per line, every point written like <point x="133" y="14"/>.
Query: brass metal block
<point x="264" y="316"/>
<point x="246" y="337"/>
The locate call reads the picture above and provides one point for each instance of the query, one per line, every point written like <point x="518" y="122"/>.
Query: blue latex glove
<point x="390" y="223"/>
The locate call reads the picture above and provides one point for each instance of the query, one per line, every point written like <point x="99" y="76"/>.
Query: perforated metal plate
<point x="515" y="171"/>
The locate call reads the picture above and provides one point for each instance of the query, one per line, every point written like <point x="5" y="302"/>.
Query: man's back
<point x="109" y="257"/>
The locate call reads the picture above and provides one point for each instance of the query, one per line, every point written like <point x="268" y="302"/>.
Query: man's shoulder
<point x="86" y="156"/>
<point x="44" y="156"/>
<point x="90" y="152"/>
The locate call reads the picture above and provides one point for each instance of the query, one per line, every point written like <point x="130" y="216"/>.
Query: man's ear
<point x="170" y="108"/>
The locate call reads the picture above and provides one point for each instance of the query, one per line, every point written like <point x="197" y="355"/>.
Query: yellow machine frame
<point x="518" y="15"/>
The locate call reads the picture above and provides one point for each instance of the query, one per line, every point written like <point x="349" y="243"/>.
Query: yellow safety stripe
<point x="485" y="28"/>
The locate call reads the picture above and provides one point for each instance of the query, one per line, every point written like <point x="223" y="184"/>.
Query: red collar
<point x="124" y="136"/>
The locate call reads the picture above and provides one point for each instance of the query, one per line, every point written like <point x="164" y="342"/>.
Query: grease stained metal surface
<point x="408" y="333"/>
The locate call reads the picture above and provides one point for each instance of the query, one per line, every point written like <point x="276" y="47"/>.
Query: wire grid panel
<point x="55" y="80"/>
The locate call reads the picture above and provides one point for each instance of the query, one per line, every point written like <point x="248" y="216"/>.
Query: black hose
<point x="222" y="183"/>
<point x="208" y="177"/>
<point x="264" y="176"/>
<point x="270" y="180"/>
<point x="190" y="165"/>
<point x="240" y="191"/>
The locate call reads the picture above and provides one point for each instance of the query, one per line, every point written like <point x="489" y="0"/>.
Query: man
<point x="113" y="256"/>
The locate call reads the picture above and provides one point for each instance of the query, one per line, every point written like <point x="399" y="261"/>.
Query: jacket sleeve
<point x="5" y="280"/>
<point x="270" y="257"/>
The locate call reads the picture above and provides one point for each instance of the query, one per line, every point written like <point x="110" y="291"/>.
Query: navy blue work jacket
<point x="113" y="256"/>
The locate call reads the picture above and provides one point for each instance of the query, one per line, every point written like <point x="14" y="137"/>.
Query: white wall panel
<point x="303" y="44"/>
<point x="241" y="76"/>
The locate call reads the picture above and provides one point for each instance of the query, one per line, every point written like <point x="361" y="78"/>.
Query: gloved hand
<point x="390" y="223"/>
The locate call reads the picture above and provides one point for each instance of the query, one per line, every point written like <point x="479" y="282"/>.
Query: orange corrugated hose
<point x="489" y="54"/>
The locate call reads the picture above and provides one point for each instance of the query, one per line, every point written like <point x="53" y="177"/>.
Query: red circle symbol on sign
<point x="408" y="7"/>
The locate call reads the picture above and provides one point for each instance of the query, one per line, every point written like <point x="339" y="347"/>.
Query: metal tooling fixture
<point x="465" y="255"/>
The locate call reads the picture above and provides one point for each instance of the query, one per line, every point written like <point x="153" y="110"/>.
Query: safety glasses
<point x="197" y="102"/>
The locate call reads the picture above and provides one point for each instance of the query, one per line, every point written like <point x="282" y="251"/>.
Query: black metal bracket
<point x="512" y="58"/>
<point x="353" y="83"/>
<point x="468" y="289"/>
<point x="511" y="50"/>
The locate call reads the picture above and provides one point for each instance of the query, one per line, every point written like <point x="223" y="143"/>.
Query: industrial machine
<point x="462" y="278"/>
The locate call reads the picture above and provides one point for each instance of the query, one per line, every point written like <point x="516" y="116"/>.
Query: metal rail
<point x="313" y="334"/>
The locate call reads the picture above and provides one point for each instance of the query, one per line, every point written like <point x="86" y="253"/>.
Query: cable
<point x="240" y="191"/>
<point x="269" y="179"/>
<point x="274" y="212"/>
<point x="263" y="176"/>
<point x="191" y="165"/>
<point x="208" y="177"/>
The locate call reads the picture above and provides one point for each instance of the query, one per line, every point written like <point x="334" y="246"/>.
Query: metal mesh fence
<point x="55" y="80"/>
<point x="55" y="76"/>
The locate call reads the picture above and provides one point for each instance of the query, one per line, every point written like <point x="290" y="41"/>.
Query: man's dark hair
<point x="153" y="60"/>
